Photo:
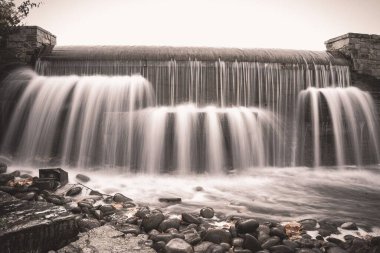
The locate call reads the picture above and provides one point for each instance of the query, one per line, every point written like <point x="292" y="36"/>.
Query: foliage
<point x="11" y="15"/>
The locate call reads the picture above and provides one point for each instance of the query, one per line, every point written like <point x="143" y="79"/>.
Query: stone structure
<point x="25" y="45"/>
<point x="362" y="49"/>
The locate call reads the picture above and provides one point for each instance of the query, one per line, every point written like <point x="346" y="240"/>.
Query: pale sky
<point x="291" y="24"/>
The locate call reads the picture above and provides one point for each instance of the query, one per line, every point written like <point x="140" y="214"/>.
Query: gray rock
<point x="237" y="242"/>
<point x="5" y="178"/>
<point x="278" y="231"/>
<point x="192" y="238"/>
<point x="82" y="178"/>
<point x="169" y="223"/>
<point x="291" y="244"/>
<point x="308" y="224"/>
<point x="207" y="212"/>
<point x="216" y="249"/>
<point x="164" y="237"/>
<point x="262" y="237"/>
<point x="349" y="226"/>
<point x="240" y="250"/>
<point x="177" y="245"/>
<point x="107" y="239"/>
<point x="142" y="212"/>
<point x="74" y="191"/>
<point x="336" y="250"/>
<point x="189" y="218"/>
<point x="170" y="200"/>
<point x="16" y="173"/>
<point x="251" y="243"/>
<point x="152" y="220"/>
<point x="246" y="226"/>
<point x="25" y="195"/>
<point x="3" y="167"/>
<point x="85" y="225"/>
<point x="202" y="247"/>
<point x="281" y="249"/>
<point x="217" y="236"/>
<point x="107" y="209"/>
<point x="120" y="198"/>
<point x="270" y="242"/>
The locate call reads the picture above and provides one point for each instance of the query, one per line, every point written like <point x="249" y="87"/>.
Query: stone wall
<point x="25" y="45"/>
<point x="363" y="50"/>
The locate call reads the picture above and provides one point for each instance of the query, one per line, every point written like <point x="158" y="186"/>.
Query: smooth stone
<point x="177" y="245"/>
<point x="120" y="198"/>
<point x="165" y="237"/>
<point x="349" y="226"/>
<point x="237" y="242"/>
<point x="239" y="250"/>
<point x="107" y="209"/>
<point x="281" y="249"/>
<point x="308" y="224"/>
<point x="83" y="204"/>
<point x="159" y="247"/>
<point x="336" y="241"/>
<point x="215" y="249"/>
<point x="217" y="236"/>
<point x="291" y="244"/>
<point x="189" y="218"/>
<point x="98" y="214"/>
<point x="202" y="247"/>
<point x="192" y="238"/>
<point x="25" y="195"/>
<point x="3" y="167"/>
<point x="226" y="246"/>
<point x="306" y="250"/>
<point x="82" y="178"/>
<point x="278" y="231"/>
<point x="263" y="228"/>
<point x="56" y="200"/>
<point x="207" y="212"/>
<point x="251" y="243"/>
<point x="246" y="226"/>
<point x="170" y="200"/>
<point x="336" y="250"/>
<point x="96" y="193"/>
<point x="262" y="237"/>
<point x="305" y="243"/>
<point x="85" y="225"/>
<point x="169" y="223"/>
<point x="74" y="191"/>
<point x="152" y="220"/>
<point x="272" y="241"/>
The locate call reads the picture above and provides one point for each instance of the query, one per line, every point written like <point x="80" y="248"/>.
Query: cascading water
<point x="186" y="111"/>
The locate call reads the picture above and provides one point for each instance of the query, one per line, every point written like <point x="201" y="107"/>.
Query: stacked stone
<point x="25" y="43"/>
<point x="362" y="49"/>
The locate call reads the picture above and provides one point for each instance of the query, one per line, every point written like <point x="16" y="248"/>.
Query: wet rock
<point x="278" y="231"/>
<point x="169" y="223"/>
<point x="5" y="178"/>
<point x="189" y="218"/>
<point x="132" y="220"/>
<point x="142" y="212"/>
<point x="246" y="226"/>
<point x="15" y="173"/>
<point x="291" y="244"/>
<point x="159" y="247"/>
<point x="336" y="241"/>
<point x="152" y="220"/>
<point x="308" y="224"/>
<point x="43" y="226"/>
<point x="107" y="239"/>
<point x="207" y="212"/>
<point x="45" y="183"/>
<point x="170" y="200"/>
<point x="375" y="241"/>
<point x="306" y="250"/>
<point x="202" y="247"/>
<point x="305" y="243"/>
<point x="216" y="249"/>
<point x="251" y="243"/>
<point x="272" y="241"/>
<point x="95" y="193"/>
<point x="55" y="199"/>
<point x="358" y="245"/>
<point x="336" y="250"/>
<point x="120" y="198"/>
<point x="240" y="250"/>
<point x="25" y="195"/>
<point x="264" y="228"/>
<point x="165" y="237"/>
<point x="262" y="237"/>
<point x="237" y="242"/>
<point x="3" y="167"/>
<point x="177" y="245"/>
<point x="327" y="228"/>
<point x="281" y="249"/>
<point x="107" y="210"/>
<point x="82" y="178"/>
<point x="26" y="176"/>
<point x="74" y="191"/>
<point x="85" y="204"/>
<point x="85" y="225"/>
<point x="97" y="214"/>
<point x="198" y="189"/>
<point x="217" y="236"/>
<point x="192" y="238"/>
<point x="349" y="226"/>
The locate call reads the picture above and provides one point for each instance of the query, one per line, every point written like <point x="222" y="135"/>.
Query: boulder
<point x="177" y="245"/>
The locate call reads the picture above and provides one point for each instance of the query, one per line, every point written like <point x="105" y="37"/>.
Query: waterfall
<point x="186" y="110"/>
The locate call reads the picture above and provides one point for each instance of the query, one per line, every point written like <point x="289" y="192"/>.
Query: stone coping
<point x="353" y="35"/>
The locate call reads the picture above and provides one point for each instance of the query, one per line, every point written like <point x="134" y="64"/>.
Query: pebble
<point x="278" y="231"/>
<point x="74" y="191"/>
<point x="169" y="223"/>
<point x="349" y="226"/>
<point x="152" y="220"/>
<point x="177" y="245"/>
<point x="216" y="235"/>
<point x="107" y="209"/>
<point x="120" y="198"/>
<point x="207" y="212"/>
<point x="189" y="218"/>
<point x="272" y="241"/>
<point x="251" y="243"/>
<point x="82" y="178"/>
<point x="246" y="226"/>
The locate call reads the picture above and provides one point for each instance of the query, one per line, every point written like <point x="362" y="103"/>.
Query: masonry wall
<point x="363" y="50"/>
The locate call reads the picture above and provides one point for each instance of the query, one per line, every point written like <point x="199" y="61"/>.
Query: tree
<point x="11" y="15"/>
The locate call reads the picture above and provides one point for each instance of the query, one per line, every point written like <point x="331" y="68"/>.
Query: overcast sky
<point x="293" y="24"/>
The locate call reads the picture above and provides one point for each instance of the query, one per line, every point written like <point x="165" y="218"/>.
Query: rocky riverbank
<point x="48" y="214"/>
